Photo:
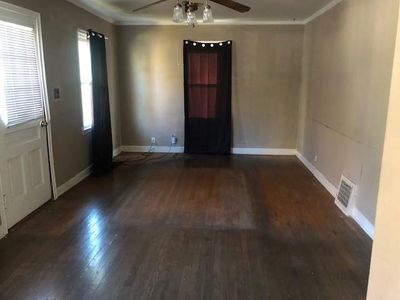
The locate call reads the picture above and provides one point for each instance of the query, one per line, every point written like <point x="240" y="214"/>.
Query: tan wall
<point x="384" y="283"/>
<point x="349" y="56"/>
<point x="60" y="21"/>
<point x="266" y="82"/>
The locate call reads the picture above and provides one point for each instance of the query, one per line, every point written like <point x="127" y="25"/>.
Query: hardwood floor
<point x="189" y="227"/>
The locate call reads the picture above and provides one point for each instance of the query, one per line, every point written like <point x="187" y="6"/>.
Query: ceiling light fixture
<point x="190" y="9"/>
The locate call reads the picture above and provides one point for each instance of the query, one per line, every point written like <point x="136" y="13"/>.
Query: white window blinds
<point x="21" y="97"/>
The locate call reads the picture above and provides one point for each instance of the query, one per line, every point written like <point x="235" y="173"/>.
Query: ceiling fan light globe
<point x="208" y="15"/>
<point x="177" y="16"/>
<point x="191" y="18"/>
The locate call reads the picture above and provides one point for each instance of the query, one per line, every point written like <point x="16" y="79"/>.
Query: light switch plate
<point x="57" y="94"/>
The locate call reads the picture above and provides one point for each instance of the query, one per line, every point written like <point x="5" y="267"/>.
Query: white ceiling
<point x="262" y="12"/>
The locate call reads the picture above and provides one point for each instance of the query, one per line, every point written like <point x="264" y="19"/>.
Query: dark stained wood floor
<point x="189" y="227"/>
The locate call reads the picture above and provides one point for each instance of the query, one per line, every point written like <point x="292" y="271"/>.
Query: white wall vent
<point x="346" y="195"/>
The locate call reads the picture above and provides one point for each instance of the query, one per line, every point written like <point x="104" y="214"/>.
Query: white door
<point x="24" y="159"/>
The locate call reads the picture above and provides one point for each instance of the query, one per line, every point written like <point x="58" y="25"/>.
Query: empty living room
<point x="200" y="149"/>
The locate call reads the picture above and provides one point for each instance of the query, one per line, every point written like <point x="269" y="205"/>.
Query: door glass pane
<point x="21" y="92"/>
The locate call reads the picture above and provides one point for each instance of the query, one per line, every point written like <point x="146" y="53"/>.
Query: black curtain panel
<point x="101" y="132"/>
<point x="208" y="81"/>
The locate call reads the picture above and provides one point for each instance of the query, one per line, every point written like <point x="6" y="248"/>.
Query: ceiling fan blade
<point x="233" y="5"/>
<point x="148" y="5"/>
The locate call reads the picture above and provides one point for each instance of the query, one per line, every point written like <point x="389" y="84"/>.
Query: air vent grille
<point x="344" y="194"/>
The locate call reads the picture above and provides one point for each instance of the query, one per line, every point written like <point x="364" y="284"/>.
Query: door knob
<point x="44" y="123"/>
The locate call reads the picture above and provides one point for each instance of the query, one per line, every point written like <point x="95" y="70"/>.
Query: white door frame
<point x="3" y="220"/>
<point x="46" y="108"/>
<point x="23" y="11"/>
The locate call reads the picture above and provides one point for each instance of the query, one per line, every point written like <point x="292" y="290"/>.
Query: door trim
<point x="47" y="114"/>
<point x="3" y="226"/>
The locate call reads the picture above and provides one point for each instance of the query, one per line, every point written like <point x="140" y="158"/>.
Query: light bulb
<point x="191" y="18"/>
<point x="177" y="16"/>
<point x="208" y="15"/>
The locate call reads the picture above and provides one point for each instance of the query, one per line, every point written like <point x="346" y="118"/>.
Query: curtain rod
<point x="98" y="34"/>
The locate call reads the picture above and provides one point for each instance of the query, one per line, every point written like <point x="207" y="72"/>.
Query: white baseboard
<point x="263" y="151"/>
<point x="73" y="181"/>
<point x="361" y="220"/>
<point x="117" y="151"/>
<point x="317" y="174"/>
<point x="155" y="149"/>
<point x="247" y="151"/>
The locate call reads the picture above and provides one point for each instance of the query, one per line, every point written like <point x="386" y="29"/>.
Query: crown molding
<point x="220" y="23"/>
<point x="92" y="11"/>
<point x="108" y="19"/>
<point x="321" y="11"/>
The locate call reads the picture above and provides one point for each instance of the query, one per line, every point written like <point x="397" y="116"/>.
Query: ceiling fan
<point x="190" y="7"/>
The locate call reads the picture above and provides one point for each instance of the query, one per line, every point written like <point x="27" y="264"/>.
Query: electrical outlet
<point x="315" y="158"/>
<point x="153" y="140"/>
<point x="174" y="140"/>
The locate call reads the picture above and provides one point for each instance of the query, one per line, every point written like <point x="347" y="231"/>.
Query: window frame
<point x="83" y="128"/>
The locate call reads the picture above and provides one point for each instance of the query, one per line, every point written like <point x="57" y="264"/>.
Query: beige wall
<point x="266" y="82"/>
<point x="60" y="21"/>
<point x="348" y="62"/>
<point x="384" y="283"/>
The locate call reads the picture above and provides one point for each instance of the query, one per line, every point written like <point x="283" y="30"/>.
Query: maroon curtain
<point x="208" y="81"/>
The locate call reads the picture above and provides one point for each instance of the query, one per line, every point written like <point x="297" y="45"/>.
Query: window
<point x="202" y="84"/>
<point x="85" y="67"/>
<point x="21" y="86"/>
